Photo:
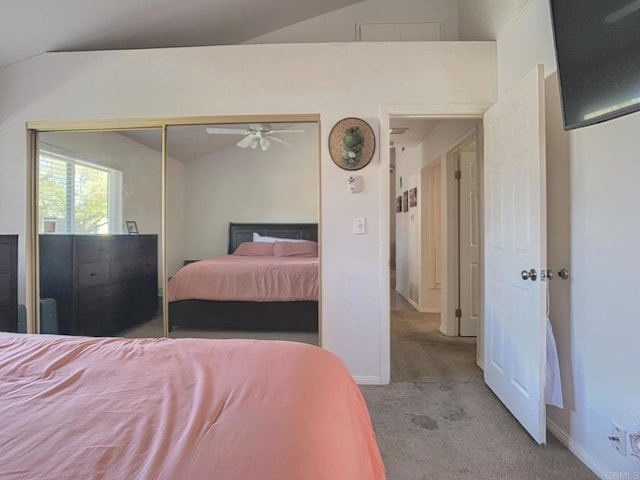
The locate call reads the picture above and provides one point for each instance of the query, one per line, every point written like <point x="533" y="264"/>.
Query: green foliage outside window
<point x="73" y="189"/>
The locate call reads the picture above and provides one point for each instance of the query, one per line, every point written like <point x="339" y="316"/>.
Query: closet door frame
<point x="34" y="128"/>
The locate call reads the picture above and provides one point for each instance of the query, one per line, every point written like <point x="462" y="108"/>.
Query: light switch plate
<point x="359" y="226"/>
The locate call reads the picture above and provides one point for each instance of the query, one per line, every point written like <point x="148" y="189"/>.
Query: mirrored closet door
<point x="100" y="232"/>
<point x="242" y="228"/>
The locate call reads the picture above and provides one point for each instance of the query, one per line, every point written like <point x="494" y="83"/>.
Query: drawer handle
<point x="106" y="296"/>
<point x="93" y="274"/>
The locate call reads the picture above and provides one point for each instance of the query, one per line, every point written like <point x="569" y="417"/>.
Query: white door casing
<point x="470" y="289"/>
<point x="515" y="241"/>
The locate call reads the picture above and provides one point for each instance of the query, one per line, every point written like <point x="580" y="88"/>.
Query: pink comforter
<point x="89" y="408"/>
<point x="248" y="279"/>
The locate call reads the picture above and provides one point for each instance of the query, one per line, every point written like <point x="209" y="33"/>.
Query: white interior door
<point x="469" y="244"/>
<point x="515" y="245"/>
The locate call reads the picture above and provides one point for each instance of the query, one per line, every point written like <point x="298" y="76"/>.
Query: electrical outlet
<point x="618" y="439"/>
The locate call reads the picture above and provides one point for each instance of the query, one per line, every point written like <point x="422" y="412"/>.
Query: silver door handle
<point x="563" y="274"/>
<point x="529" y="275"/>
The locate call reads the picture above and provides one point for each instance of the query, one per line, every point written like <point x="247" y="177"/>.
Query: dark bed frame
<point x="285" y="316"/>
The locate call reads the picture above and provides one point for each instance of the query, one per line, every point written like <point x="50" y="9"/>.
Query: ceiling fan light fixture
<point x="254" y="134"/>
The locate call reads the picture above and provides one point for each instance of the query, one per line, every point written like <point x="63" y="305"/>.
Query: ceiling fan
<point x="255" y="134"/>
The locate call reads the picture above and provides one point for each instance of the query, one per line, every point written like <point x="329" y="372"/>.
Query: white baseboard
<point x="364" y="380"/>
<point x="578" y="450"/>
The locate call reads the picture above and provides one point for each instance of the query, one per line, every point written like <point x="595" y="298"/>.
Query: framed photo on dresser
<point x="132" y="227"/>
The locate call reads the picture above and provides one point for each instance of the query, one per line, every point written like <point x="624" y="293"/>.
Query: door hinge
<point x="458" y="174"/>
<point x="458" y="313"/>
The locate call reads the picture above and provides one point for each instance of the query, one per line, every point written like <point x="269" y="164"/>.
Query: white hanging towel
<point x="553" y="385"/>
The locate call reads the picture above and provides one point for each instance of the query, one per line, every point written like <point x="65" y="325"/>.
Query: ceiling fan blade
<point x="287" y="131"/>
<point x="245" y="142"/>
<point x="265" y="142"/>
<point x="279" y="140"/>
<point x="228" y="131"/>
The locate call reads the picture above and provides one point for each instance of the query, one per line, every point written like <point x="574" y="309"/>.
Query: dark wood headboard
<point x="243" y="232"/>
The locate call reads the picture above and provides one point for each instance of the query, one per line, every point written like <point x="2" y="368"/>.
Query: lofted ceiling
<point x="31" y="27"/>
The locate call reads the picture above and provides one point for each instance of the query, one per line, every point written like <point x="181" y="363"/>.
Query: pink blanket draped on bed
<point x="89" y="408"/>
<point x="248" y="279"/>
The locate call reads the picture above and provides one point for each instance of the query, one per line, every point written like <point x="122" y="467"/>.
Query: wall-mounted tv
<point x="598" y="52"/>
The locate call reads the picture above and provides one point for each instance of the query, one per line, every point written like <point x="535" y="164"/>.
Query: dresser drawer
<point x="149" y="265"/>
<point x="5" y="288"/>
<point x="92" y="249"/>
<point x="5" y="257"/>
<point x="124" y="269"/>
<point x="92" y="274"/>
<point x="145" y="246"/>
<point x="96" y="298"/>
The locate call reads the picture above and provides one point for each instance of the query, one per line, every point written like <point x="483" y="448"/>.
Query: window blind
<point x="77" y="196"/>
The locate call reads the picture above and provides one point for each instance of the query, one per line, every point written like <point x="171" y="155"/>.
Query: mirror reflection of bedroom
<point x="99" y="232"/>
<point x="242" y="256"/>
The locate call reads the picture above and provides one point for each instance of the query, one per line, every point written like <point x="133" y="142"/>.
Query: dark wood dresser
<point x="8" y="283"/>
<point x="103" y="284"/>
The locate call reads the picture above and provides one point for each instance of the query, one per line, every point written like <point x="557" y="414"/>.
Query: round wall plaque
<point x="352" y="143"/>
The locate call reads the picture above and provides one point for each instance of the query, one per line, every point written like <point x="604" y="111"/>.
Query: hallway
<point x="420" y="353"/>
<point x="438" y="420"/>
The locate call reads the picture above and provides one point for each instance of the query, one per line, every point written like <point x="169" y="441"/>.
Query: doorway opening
<point x="434" y="247"/>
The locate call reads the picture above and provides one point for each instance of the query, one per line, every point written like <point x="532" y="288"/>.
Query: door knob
<point x="563" y="274"/>
<point x="529" y="275"/>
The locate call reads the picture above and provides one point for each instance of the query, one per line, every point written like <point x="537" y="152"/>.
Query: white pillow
<point x="263" y="238"/>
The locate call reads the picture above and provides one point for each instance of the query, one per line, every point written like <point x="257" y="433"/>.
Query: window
<point x="77" y="196"/>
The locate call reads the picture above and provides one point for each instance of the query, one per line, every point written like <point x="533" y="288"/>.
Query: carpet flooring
<point x="438" y="420"/>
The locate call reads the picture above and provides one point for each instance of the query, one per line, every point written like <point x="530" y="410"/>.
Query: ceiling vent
<point x="397" y="130"/>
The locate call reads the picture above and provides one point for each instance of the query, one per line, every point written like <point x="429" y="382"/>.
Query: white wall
<point x="334" y="80"/>
<point x="445" y="136"/>
<point x="141" y="169"/>
<point x="279" y="185"/>
<point x="340" y="25"/>
<point x="598" y="333"/>
<point x="176" y="208"/>
<point x="407" y="165"/>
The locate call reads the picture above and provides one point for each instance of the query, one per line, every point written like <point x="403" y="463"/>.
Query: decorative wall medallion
<point x="352" y="143"/>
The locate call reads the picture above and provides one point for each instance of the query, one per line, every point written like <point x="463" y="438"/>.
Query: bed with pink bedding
<point x="247" y="279"/>
<point x="260" y="285"/>
<point x="107" y="408"/>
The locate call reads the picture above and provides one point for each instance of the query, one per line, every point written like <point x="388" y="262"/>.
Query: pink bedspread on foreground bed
<point x="89" y="408"/>
<point x="247" y="279"/>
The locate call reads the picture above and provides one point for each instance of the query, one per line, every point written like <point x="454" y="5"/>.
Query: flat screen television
<point x="598" y="53"/>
